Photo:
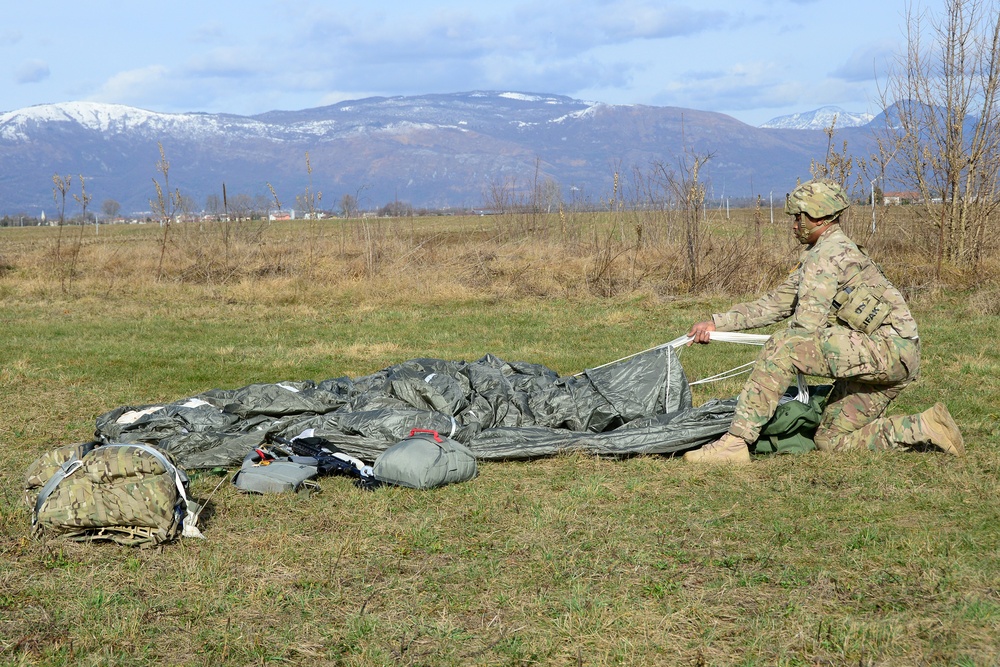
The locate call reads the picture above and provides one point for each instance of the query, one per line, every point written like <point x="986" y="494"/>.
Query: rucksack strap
<point x="64" y="471"/>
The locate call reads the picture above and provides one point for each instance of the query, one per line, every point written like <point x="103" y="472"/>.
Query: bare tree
<point x="500" y="194"/>
<point x="689" y="192"/>
<point x="185" y="204"/>
<point x="837" y="166"/>
<point x="165" y="205"/>
<point x="551" y="194"/>
<point x="396" y="209"/>
<point x="110" y="208"/>
<point x="59" y="190"/>
<point x="348" y="206"/>
<point x="262" y="206"/>
<point x="241" y="205"/>
<point x="213" y="205"/>
<point x="943" y="119"/>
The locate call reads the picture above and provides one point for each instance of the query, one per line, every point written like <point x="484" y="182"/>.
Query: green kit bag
<point x="131" y="494"/>
<point x="425" y="460"/>
<point x="791" y="429"/>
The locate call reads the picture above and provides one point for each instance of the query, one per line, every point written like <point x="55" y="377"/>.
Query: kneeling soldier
<point x="847" y="322"/>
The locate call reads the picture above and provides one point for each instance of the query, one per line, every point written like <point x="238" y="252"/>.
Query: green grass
<point x="855" y="559"/>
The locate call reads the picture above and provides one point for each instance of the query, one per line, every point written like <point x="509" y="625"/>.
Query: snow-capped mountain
<point x="335" y="121"/>
<point x="819" y="119"/>
<point x="428" y="150"/>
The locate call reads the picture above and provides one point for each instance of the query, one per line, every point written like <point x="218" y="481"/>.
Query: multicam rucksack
<point x="132" y="494"/>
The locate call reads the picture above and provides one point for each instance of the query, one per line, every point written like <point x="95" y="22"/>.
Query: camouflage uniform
<point x="870" y="369"/>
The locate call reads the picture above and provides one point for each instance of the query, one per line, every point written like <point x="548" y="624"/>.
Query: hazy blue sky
<point x="752" y="59"/>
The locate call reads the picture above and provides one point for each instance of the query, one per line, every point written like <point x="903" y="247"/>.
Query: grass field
<point x="856" y="559"/>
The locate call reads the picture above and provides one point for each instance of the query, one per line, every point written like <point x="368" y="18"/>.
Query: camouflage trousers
<point x="869" y="372"/>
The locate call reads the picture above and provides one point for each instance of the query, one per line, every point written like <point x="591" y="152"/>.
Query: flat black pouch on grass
<point x="425" y="460"/>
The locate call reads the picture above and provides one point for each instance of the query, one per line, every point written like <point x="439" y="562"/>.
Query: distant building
<point x="899" y="198"/>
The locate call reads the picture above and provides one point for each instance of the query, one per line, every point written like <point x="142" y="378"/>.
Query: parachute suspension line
<point x="725" y="337"/>
<point x="722" y="337"/>
<point x="802" y="388"/>
<point x="725" y="375"/>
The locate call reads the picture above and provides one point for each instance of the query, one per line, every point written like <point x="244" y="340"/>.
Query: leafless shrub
<point x="84" y="200"/>
<point x="942" y="102"/>
<point x="624" y="249"/>
<point x="985" y="302"/>
<point x="165" y="205"/>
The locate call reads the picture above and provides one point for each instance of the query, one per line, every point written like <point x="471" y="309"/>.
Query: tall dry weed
<point x="609" y="254"/>
<point x="985" y="302"/>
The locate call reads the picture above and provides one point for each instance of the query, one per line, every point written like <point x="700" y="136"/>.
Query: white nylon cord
<point x="721" y="336"/>
<point x="743" y="339"/>
<point x="725" y="375"/>
<point x="725" y="337"/>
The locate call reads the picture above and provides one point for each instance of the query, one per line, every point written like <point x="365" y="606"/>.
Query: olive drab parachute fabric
<point x="130" y="494"/>
<point x="498" y="409"/>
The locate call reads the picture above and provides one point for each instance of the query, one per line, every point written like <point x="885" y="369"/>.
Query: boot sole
<point x="956" y="444"/>
<point x="696" y="457"/>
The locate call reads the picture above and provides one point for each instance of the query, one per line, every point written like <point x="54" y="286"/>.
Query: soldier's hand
<point x="700" y="332"/>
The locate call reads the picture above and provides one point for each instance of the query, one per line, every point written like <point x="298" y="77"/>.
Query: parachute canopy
<point x="499" y="409"/>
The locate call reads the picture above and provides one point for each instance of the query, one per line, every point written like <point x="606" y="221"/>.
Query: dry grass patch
<point x="869" y="559"/>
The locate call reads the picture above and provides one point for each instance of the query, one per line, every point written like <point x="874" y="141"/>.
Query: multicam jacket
<point x="807" y="295"/>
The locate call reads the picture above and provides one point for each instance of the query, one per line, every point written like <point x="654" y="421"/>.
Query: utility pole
<point x="873" y="203"/>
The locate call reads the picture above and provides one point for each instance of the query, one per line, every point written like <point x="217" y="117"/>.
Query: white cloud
<point x="10" y="37"/>
<point x="224" y="62"/>
<point x="254" y="55"/>
<point x="134" y="86"/>
<point x="867" y="63"/>
<point x="643" y="21"/>
<point x="32" y="71"/>
<point x="335" y="96"/>
<point x="757" y="92"/>
<point x="209" y="33"/>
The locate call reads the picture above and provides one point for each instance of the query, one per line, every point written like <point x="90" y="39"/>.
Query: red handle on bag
<point x="437" y="437"/>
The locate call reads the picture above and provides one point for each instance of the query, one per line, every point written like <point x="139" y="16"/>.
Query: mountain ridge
<point x="435" y="150"/>
<point x="820" y="119"/>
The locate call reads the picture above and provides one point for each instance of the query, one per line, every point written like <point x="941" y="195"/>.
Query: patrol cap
<point x="818" y="198"/>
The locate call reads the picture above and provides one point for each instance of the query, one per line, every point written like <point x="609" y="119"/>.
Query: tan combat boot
<point x="942" y="431"/>
<point x="727" y="449"/>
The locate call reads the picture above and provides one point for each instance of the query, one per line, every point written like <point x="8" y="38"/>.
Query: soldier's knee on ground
<point x="826" y="440"/>
<point x="835" y="440"/>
